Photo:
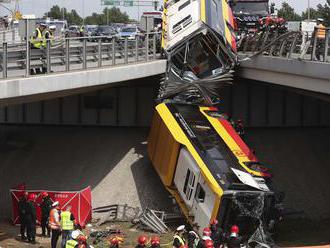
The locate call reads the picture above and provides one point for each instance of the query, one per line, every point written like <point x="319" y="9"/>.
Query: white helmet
<point x="320" y="19"/>
<point x="75" y="234"/>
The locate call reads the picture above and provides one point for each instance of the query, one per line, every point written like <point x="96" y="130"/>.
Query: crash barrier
<point x="67" y="54"/>
<point x="293" y="45"/>
<point x="80" y="202"/>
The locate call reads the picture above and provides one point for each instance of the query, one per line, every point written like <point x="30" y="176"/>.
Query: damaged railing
<point x="291" y="45"/>
<point x="67" y="54"/>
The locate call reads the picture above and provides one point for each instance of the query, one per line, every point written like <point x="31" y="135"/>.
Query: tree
<point x="58" y="13"/>
<point x="324" y="12"/>
<point x="314" y="14"/>
<point x="113" y="15"/>
<point x="288" y="13"/>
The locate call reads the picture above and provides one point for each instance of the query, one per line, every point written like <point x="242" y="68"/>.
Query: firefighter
<point x="22" y="205"/>
<point x="37" y="40"/>
<point x="142" y="241"/>
<point x="54" y="223"/>
<point x="114" y="243"/>
<point x="178" y="239"/>
<point x="155" y="242"/>
<point x="320" y="33"/>
<point x="206" y="236"/>
<point x="31" y="218"/>
<point x="45" y="206"/>
<point x="234" y="240"/>
<point x="216" y="234"/>
<point x="67" y="224"/>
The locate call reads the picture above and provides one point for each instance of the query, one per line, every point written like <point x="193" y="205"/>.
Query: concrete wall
<point x="256" y="103"/>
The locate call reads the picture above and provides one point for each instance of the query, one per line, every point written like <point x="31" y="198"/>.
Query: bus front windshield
<point x="254" y="8"/>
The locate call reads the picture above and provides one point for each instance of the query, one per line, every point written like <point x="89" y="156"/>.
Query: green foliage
<point x="288" y="13"/>
<point x="314" y="14"/>
<point x="112" y="15"/>
<point x="324" y="12"/>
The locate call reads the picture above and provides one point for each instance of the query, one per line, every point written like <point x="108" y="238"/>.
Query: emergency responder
<point x="116" y="241"/>
<point x="234" y="240"/>
<point x="178" y="239"/>
<point x="155" y="242"/>
<point x="67" y="224"/>
<point x="192" y="239"/>
<point x="142" y="241"/>
<point x="82" y="31"/>
<point x="31" y="218"/>
<point x="206" y="236"/>
<point x="37" y="40"/>
<point x="320" y="33"/>
<point x="22" y="205"/>
<point x="45" y="206"/>
<point x="54" y="223"/>
<point x="217" y="234"/>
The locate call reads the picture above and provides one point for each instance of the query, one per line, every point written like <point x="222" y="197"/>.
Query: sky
<point x="86" y="7"/>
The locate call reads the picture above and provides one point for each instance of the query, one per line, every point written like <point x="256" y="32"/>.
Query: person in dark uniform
<point x="31" y="218"/>
<point x="234" y="240"/>
<point x="22" y="205"/>
<point x="46" y="206"/>
<point x="192" y="239"/>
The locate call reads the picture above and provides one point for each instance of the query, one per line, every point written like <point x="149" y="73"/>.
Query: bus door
<point x="203" y="204"/>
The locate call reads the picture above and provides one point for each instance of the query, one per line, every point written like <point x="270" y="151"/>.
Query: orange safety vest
<point x="53" y="224"/>
<point x="320" y="31"/>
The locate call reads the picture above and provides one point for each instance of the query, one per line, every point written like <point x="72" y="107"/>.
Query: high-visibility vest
<point x="66" y="222"/>
<point x="320" y="31"/>
<point x="181" y="240"/>
<point x="71" y="243"/>
<point x="52" y="219"/>
<point x="38" y="42"/>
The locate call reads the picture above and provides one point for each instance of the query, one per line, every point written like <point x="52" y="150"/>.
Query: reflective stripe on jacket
<point x="71" y="243"/>
<point x="38" y="41"/>
<point x="54" y="219"/>
<point x="181" y="240"/>
<point x="320" y="31"/>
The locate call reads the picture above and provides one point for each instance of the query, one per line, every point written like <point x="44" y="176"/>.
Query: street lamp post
<point x="83" y="6"/>
<point x="308" y="11"/>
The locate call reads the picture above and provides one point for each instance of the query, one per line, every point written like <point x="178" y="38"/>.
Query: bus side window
<point x="200" y="194"/>
<point x="189" y="184"/>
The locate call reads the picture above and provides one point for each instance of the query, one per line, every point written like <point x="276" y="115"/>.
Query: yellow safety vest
<point x="181" y="240"/>
<point x="66" y="222"/>
<point x="71" y="243"/>
<point x="50" y="37"/>
<point x="320" y="32"/>
<point x="37" y="43"/>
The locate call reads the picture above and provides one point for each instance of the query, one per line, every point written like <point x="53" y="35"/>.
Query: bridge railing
<point x="294" y="45"/>
<point x="79" y="53"/>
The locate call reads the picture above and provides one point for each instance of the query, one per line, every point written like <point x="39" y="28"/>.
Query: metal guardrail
<point x="295" y="45"/>
<point x="67" y="54"/>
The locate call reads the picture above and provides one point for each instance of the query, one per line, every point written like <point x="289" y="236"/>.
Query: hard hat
<point x="52" y="27"/>
<point x="75" y="234"/>
<point x="55" y="204"/>
<point x="208" y="244"/>
<point x="206" y="231"/>
<point x="155" y="240"/>
<point x="320" y="19"/>
<point x="44" y="194"/>
<point x="142" y="240"/>
<point x="234" y="229"/>
<point x="32" y="197"/>
<point x="114" y="241"/>
<point x="181" y="228"/>
<point x="43" y="24"/>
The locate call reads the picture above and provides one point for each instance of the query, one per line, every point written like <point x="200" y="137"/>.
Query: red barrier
<point x="80" y="201"/>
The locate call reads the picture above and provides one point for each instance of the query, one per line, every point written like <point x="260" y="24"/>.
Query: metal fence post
<point x="4" y="60"/>
<point x="100" y="52"/>
<point x="113" y="52"/>
<point x="137" y="48"/>
<point x="125" y="51"/>
<point x="67" y="55"/>
<point x="3" y="36"/>
<point x="27" y="44"/>
<point x="314" y="44"/>
<point x="293" y="45"/>
<point x="84" y="54"/>
<point x="13" y="35"/>
<point x="48" y="56"/>
<point x="326" y="45"/>
<point x="147" y="46"/>
<point x="154" y="46"/>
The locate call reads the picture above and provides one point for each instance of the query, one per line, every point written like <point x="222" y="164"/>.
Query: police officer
<point x="54" y="223"/>
<point x="320" y="33"/>
<point x="22" y="206"/>
<point x="67" y="224"/>
<point x="45" y="206"/>
<point x="37" y="40"/>
<point x="31" y="218"/>
<point x="73" y="241"/>
<point x="178" y="239"/>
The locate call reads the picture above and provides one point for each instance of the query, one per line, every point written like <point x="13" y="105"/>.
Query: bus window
<point x="200" y="194"/>
<point x="189" y="184"/>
